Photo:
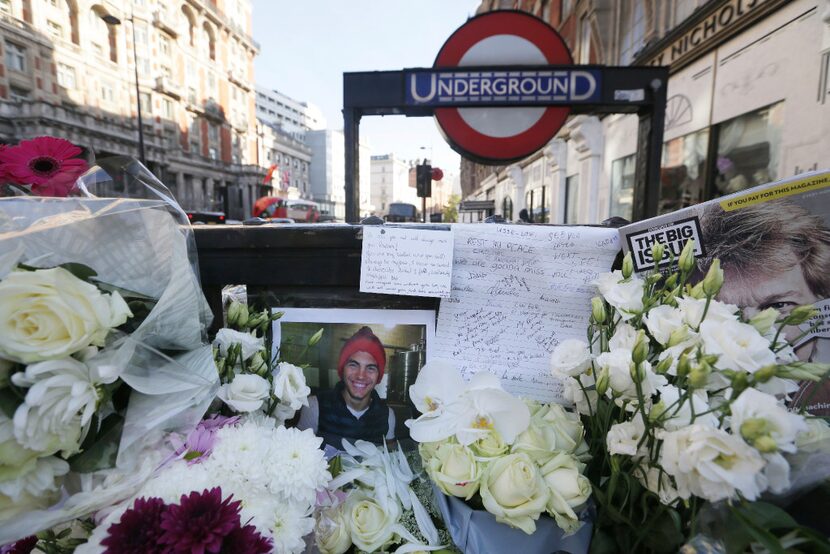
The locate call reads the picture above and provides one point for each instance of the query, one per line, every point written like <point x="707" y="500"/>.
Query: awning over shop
<point x="477" y="205"/>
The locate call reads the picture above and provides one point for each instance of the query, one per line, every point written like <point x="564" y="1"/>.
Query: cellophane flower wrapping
<point x="134" y="381"/>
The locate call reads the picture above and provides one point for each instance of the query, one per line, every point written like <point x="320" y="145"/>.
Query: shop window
<point x="622" y="187"/>
<point x="538" y="205"/>
<point x="507" y="208"/>
<point x="683" y="171"/>
<point x="571" y="199"/>
<point x="748" y="148"/>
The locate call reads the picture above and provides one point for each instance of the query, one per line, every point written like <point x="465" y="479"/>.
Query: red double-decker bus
<point x="301" y="211"/>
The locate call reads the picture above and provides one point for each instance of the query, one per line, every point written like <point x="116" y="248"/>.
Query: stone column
<point x="515" y="174"/>
<point x="586" y="133"/>
<point x="556" y="158"/>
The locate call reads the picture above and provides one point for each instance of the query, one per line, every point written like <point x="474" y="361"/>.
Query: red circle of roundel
<point x="463" y="137"/>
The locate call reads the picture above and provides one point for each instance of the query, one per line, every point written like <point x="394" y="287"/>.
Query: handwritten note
<point x="517" y="292"/>
<point x="412" y="262"/>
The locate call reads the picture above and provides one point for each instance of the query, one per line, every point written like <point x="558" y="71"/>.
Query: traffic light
<point x="423" y="180"/>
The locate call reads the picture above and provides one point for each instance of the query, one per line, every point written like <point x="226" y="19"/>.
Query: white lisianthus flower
<point x="514" y="490"/>
<point x="626" y="295"/>
<point x="570" y="358"/>
<point x="659" y="483"/>
<point x="438" y="384"/>
<point x="59" y="405"/>
<point x="49" y="313"/>
<point x="371" y="521"/>
<point x="582" y="396"/>
<point x="692" y="311"/>
<point x="246" y="393"/>
<point x="673" y="414"/>
<point x="620" y="382"/>
<point x="710" y="463"/>
<point x="569" y="489"/>
<point x="662" y="321"/>
<point x="226" y="338"/>
<point x="455" y="470"/>
<point x="764" y="320"/>
<point x="624" y="338"/>
<point x="739" y="346"/>
<point x="624" y="438"/>
<point x="332" y="531"/>
<point x="776" y="474"/>
<point x="816" y="438"/>
<point x="755" y="415"/>
<point x="290" y="386"/>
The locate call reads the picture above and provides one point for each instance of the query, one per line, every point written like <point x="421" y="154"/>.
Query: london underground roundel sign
<point x="503" y="38"/>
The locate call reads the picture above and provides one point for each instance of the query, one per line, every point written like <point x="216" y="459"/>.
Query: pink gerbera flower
<point x="48" y="164"/>
<point x="200" y="523"/>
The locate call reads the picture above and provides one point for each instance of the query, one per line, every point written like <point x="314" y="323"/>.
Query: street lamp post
<point x="112" y="20"/>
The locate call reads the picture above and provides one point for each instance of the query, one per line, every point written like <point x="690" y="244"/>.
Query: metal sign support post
<point x="640" y="90"/>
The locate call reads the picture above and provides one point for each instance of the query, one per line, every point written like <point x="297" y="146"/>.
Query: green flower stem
<point x="585" y="392"/>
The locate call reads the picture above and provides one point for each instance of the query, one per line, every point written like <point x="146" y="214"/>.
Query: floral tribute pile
<point x="684" y="401"/>
<point x="43" y="166"/>
<point x="518" y="459"/>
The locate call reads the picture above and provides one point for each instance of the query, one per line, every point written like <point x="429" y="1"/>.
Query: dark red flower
<point x="139" y="529"/>
<point x="48" y="164"/>
<point x="246" y="540"/>
<point x="23" y="546"/>
<point x="200" y="522"/>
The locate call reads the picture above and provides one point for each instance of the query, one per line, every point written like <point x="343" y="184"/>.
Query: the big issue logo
<point x="496" y="116"/>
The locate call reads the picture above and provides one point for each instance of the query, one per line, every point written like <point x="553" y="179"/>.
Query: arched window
<point x="507" y="208"/>
<point x="190" y="22"/>
<point x="210" y="40"/>
<point x="103" y="36"/>
<point x="72" y="16"/>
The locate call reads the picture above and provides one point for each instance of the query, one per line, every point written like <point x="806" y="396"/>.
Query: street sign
<point x="500" y="135"/>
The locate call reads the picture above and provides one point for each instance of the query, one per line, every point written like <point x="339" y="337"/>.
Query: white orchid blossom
<point x="438" y="384"/>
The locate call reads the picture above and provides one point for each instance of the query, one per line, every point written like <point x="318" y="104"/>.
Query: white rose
<point x="692" y="311"/>
<point x="816" y="438"/>
<point x="624" y="438"/>
<point x="756" y="414"/>
<point x="625" y="295"/>
<point x="662" y="321"/>
<point x="514" y="491"/>
<point x="290" y="386"/>
<point x="454" y="469"/>
<point x="371" y="522"/>
<point x="489" y="446"/>
<point x="569" y="489"/>
<point x="245" y="393"/>
<point x="566" y="426"/>
<point x="710" y="463"/>
<point x="625" y="336"/>
<point x="226" y="338"/>
<point x="332" y="532"/>
<point x="739" y="346"/>
<point x="570" y="358"/>
<point x="50" y="313"/>
<point x="538" y="441"/>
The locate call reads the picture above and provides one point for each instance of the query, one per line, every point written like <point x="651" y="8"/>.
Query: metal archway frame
<point x="640" y="90"/>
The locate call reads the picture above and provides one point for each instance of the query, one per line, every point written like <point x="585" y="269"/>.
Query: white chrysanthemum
<point x="285" y="523"/>
<point x="240" y="455"/>
<point x="177" y="479"/>
<point x="38" y="481"/>
<point x="296" y="466"/>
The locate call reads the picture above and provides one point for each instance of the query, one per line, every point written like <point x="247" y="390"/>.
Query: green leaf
<point x="126" y="294"/>
<point x="81" y="271"/>
<point x="102" y="452"/>
<point x="9" y="402"/>
<point x="767" y="539"/>
<point x="768" y="516"/>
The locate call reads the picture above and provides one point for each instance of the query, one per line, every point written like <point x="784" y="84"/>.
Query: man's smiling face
<point x="360" y="375"/>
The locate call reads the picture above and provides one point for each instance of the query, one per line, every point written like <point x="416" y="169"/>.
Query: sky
<point x="306" y="46"/>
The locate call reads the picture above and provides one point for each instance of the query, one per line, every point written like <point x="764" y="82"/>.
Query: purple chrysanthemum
<point x="139" y="529"/>
<point x="23" y="546"/>
<point x="246" y="540"/>
<point x="200" y="522"/>
<point x="199" y="442"/>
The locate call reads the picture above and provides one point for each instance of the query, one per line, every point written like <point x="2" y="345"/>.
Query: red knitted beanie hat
<point x="363" y="341"/>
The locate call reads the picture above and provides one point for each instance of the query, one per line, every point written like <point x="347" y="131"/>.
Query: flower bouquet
<point x="518" y="460"/>
<point x="684" y="401"/>
<point x="43" y="166"/>
<point x="376" y="503"/>
<point x="102" y="346"/>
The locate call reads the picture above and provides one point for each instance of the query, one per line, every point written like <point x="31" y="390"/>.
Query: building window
<point x="141" y="34"/>
<point x="167" y="108"/>
<point x="6" y="6"/>
<point x="107" y="92"/>
<point x="632" y="29"/>
<point x="195" y="140"/>
<point x="164" y="45"/>
<point x="166" y="72"/>
<point x="622" y="187"/>
<point x="66" y="76"/>
<point x="571" y="199"/>
<point x="212" y="153"/>
<point x="213" y="134"/>
<point x="17" y="94"/>
<point x="15" y="57"/>
<point x="507" y="208"/>
<point x="146" y="103"/>
<point x="55" y="30"/>
<point x="748" y="150"/>
<point x="683" y="171"/>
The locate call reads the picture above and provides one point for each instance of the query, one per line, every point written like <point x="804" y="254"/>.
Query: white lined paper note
<point x="517" y="291"/>
<point x="413" y="262"/>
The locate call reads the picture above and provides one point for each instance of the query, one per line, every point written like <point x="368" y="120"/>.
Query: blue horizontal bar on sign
<point x="440" y="88"/>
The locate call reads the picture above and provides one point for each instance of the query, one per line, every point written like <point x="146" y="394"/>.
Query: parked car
<point x="209" y="218"/>
<point x="400" y="212"/>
